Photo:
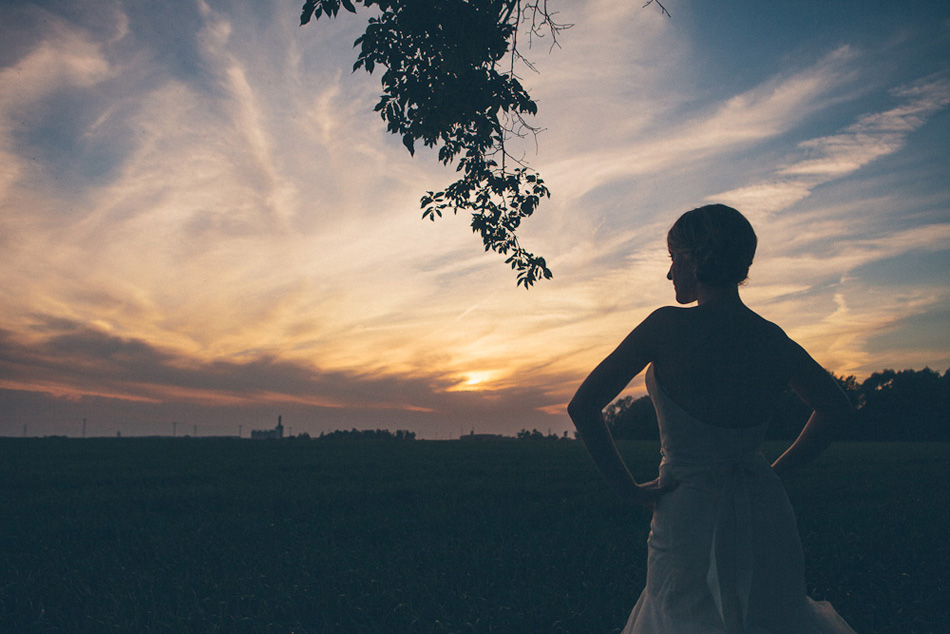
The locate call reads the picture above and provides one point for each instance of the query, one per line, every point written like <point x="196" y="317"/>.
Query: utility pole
<point x="240" y="430"/>
<point x="196" y="430"/>
<point x="174" y="426"/>
<point x="84" y="428"/>
<point x="24" y="431"/>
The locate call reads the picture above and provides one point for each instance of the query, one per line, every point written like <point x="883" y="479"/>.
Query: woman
<point x="724" y="552"/>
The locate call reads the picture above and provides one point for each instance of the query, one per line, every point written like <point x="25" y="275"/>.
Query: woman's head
<point x="718" y="240"/>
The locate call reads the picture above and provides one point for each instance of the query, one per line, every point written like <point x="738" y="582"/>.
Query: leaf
<point x="348" y="5"/>
<point x="408" y="141"/>
<point x="307" y="11"/>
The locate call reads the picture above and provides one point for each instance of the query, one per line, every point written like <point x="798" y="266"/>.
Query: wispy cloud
<point x="65" y="59"/>
<point x="690" y="135"/>
<point x="827" y="158"/>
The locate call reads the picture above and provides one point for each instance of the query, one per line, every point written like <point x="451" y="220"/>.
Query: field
<point x="219" y="535"/>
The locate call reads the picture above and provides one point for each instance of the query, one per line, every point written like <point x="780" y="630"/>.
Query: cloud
<point x="693" y="134"/>
<point x="65" y="59"/>
<point x="76" y="362"/>
<point x="827" y="158"/>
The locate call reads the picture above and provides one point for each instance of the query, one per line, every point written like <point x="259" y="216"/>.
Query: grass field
<point x="218" y="535"/>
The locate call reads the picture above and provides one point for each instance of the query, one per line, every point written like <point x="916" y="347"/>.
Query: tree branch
<point x="659" y="4"/>
<point x="443" y="87"/>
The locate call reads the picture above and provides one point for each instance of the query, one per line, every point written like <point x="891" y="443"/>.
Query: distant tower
<point x="277" y="432"/>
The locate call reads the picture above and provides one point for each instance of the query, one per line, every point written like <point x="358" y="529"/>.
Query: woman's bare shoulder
<point x="667" y="315"/>
<point x="772" y="336"/>
<point x="663" y="322"/>
<point x="678" y="326"/>
<point x="769" y="328"/>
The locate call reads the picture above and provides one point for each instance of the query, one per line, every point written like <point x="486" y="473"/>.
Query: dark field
<point x="206" y="535"/>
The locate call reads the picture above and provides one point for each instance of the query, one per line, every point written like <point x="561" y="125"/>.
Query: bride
<point x="723" y="552"/>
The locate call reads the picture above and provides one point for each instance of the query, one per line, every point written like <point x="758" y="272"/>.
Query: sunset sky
<point x="203" y="222"/>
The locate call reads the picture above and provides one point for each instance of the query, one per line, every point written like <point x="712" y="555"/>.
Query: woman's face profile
<point x="683" y="275"/>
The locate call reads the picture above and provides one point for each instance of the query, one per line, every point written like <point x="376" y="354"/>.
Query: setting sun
<point x="475" y="381"/>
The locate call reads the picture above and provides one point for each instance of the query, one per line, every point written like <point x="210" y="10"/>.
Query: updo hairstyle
<point x="720" y="242"/>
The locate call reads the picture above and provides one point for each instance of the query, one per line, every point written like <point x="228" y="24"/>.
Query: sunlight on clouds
<point x="840" y="337"/>
<point x="211" y="271"/>
<point x="59" y="389"/>
<point x="475" y="380"/>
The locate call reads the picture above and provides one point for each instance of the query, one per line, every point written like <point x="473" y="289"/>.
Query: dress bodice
<point x="687" y="440"/>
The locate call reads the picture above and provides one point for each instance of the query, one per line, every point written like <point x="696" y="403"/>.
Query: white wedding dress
<point x="724" y="552"/>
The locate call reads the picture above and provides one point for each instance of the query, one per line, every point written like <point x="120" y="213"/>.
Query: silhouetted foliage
<point x="889" y="405"/>
<point x="534" y="434"/>
<point x="450" y="83"/>
<point x="368" y="434"/>
<point x="632" y="419"/>
<point x="910" y="404"/>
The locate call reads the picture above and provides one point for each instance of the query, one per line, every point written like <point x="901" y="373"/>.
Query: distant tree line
<point x="534" y="434"/>
<point x="889" y="405"/>
<point x="368" y="434"/>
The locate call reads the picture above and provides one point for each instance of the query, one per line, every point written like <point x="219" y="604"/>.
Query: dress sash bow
<point x="730" y="557"/>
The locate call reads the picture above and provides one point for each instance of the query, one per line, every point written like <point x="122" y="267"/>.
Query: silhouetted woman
<point x="723" y="553"/>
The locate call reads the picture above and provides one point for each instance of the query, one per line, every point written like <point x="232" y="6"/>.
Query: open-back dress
<point x="724" y="552"/>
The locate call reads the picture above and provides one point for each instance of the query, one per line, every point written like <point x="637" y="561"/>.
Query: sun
<point x="473" y="381"/>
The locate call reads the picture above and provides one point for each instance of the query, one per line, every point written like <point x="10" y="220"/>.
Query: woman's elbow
<point x="580" y="407"/>
<point x="837" y="413"/>
<point x="842" y="409"/>
<point x="574" y="408"/>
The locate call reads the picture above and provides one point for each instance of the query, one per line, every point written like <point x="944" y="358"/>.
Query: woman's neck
<point x="717" y="294"/>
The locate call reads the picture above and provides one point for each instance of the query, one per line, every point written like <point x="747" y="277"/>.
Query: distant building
<point x="277" y="432"/>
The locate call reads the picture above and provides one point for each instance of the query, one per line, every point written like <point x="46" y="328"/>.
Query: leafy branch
<point x="443" y="87"/>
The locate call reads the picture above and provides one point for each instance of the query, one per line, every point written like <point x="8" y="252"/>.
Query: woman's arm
<point x="831" y="411"/>
<point x="603" y="385"/>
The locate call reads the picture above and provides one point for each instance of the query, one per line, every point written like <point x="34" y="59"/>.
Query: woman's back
<point x="723" y="364"/>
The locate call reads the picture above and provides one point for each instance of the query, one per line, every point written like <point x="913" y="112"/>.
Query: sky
<point x="205" y="226"/>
